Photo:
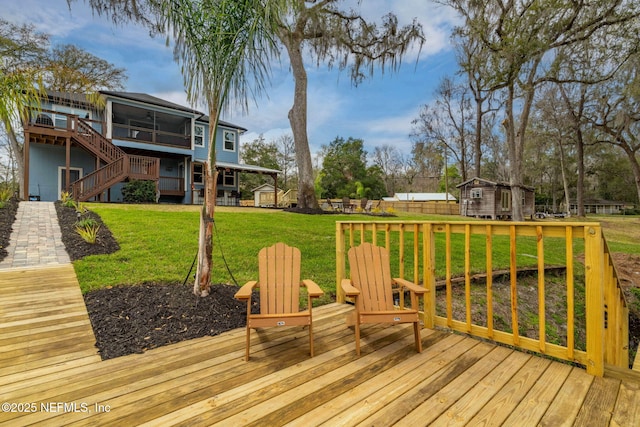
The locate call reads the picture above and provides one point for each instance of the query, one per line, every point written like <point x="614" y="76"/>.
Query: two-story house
<point x="91" y="149"/>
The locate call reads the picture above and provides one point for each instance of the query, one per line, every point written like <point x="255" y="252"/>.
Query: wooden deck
<point x="51" y="373"/>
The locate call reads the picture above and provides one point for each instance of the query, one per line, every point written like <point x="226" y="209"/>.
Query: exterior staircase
<point x="117" y="166"/>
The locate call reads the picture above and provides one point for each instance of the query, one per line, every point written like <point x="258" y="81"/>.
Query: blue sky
<point x="379" y="111"/>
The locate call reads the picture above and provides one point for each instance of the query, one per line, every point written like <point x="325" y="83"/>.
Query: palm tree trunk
<point x="202" y="283"/>
<point x="19" y="158"/>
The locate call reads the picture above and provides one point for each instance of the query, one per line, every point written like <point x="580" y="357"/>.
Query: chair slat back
<point x="371" y="274"/>
<point x="279" y="279"/>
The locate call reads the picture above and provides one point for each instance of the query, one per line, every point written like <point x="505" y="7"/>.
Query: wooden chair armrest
<point x="313" y="289"/>
<point x="411" y="286"/>
<point x="349" y="289"/>
<point x="245" y="291"/>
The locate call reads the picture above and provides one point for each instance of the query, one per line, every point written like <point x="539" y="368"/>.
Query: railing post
<point x="594" y="299"/>
<point x="429" y="274"/>
<point x="340" y="263"/>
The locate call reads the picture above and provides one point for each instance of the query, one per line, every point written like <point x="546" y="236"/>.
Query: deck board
<point x="47" y="354"/>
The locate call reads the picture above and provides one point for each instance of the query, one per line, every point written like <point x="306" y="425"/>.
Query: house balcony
<point x="150" y="136"/>
<point x="147" y="126"/>
<point x="52" y="127"/>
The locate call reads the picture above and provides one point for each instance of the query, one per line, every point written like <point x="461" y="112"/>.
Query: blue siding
<point x="44" y="163"/>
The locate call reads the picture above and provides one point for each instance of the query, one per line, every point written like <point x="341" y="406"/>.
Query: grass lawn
<point x="159" y="242"/>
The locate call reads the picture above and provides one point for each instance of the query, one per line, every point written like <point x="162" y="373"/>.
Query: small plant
<point x="66" y="200"/>
<point x="86" y="223"/>
<point x="79" y="207"/>
<point x="5" y="195"/>
<point x="65" y="196"/>
<point x="89" y="233"/>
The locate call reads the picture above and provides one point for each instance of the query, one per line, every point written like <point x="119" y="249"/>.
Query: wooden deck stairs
<point x="119" y="166"/>
<point x="113" y="165"/>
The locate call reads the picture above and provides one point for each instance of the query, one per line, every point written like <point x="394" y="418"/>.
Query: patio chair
<point x="346" y="205"/>
<point x="279" y="284"/>
<point x="365" y="204"/>
<point x="371" y="286"/>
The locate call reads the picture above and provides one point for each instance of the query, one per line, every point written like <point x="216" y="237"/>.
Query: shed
<point x="481" y="198"/>
<point x="263" y="189"/>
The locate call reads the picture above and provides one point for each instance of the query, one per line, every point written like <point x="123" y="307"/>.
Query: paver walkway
<point x="36" y="239"/>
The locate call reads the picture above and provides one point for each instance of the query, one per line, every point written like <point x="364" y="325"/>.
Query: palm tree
<point x="224" y="45"/>
<point x="22" y="52"/>
<point x="224" y="48"/>
<point x="17" y="90"/>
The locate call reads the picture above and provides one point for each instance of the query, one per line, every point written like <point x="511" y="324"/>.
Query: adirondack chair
<point x="346" y="205"/>
<point x="371" y="286"/>
<point x="279" y="284"/>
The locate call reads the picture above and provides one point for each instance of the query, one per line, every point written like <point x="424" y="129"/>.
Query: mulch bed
<point x="133" y="319"/>
<point x="76" y="246"/>
<point x="7" y="217"/>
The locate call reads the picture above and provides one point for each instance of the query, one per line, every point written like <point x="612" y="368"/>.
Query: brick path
<point x="36" y="239"/>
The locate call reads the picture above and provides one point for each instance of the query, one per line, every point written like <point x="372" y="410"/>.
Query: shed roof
<point x="492" y="183"/>
<point x="265" y="186"/>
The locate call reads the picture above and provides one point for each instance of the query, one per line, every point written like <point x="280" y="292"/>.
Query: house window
<point x="229" y="140"/>
<point x="198" y="173"/>
<point x="505" y="200"/>
<point x="476" y="193"/>
<point x="227" y="178"/>
<point x="198" y="136"/>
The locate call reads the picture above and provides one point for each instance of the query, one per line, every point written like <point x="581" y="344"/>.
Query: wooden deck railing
<point x="90" y="138"/>
<point x="451" y="256"/>
<point x="119" y="165"/>
<point x="133" y="167"/>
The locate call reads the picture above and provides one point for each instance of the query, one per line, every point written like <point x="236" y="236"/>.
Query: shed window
<point x="505" y="200"/>
<point x="476" y="193"/>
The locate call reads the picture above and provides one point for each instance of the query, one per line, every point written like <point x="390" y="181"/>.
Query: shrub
<point x="139" y="192"/>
